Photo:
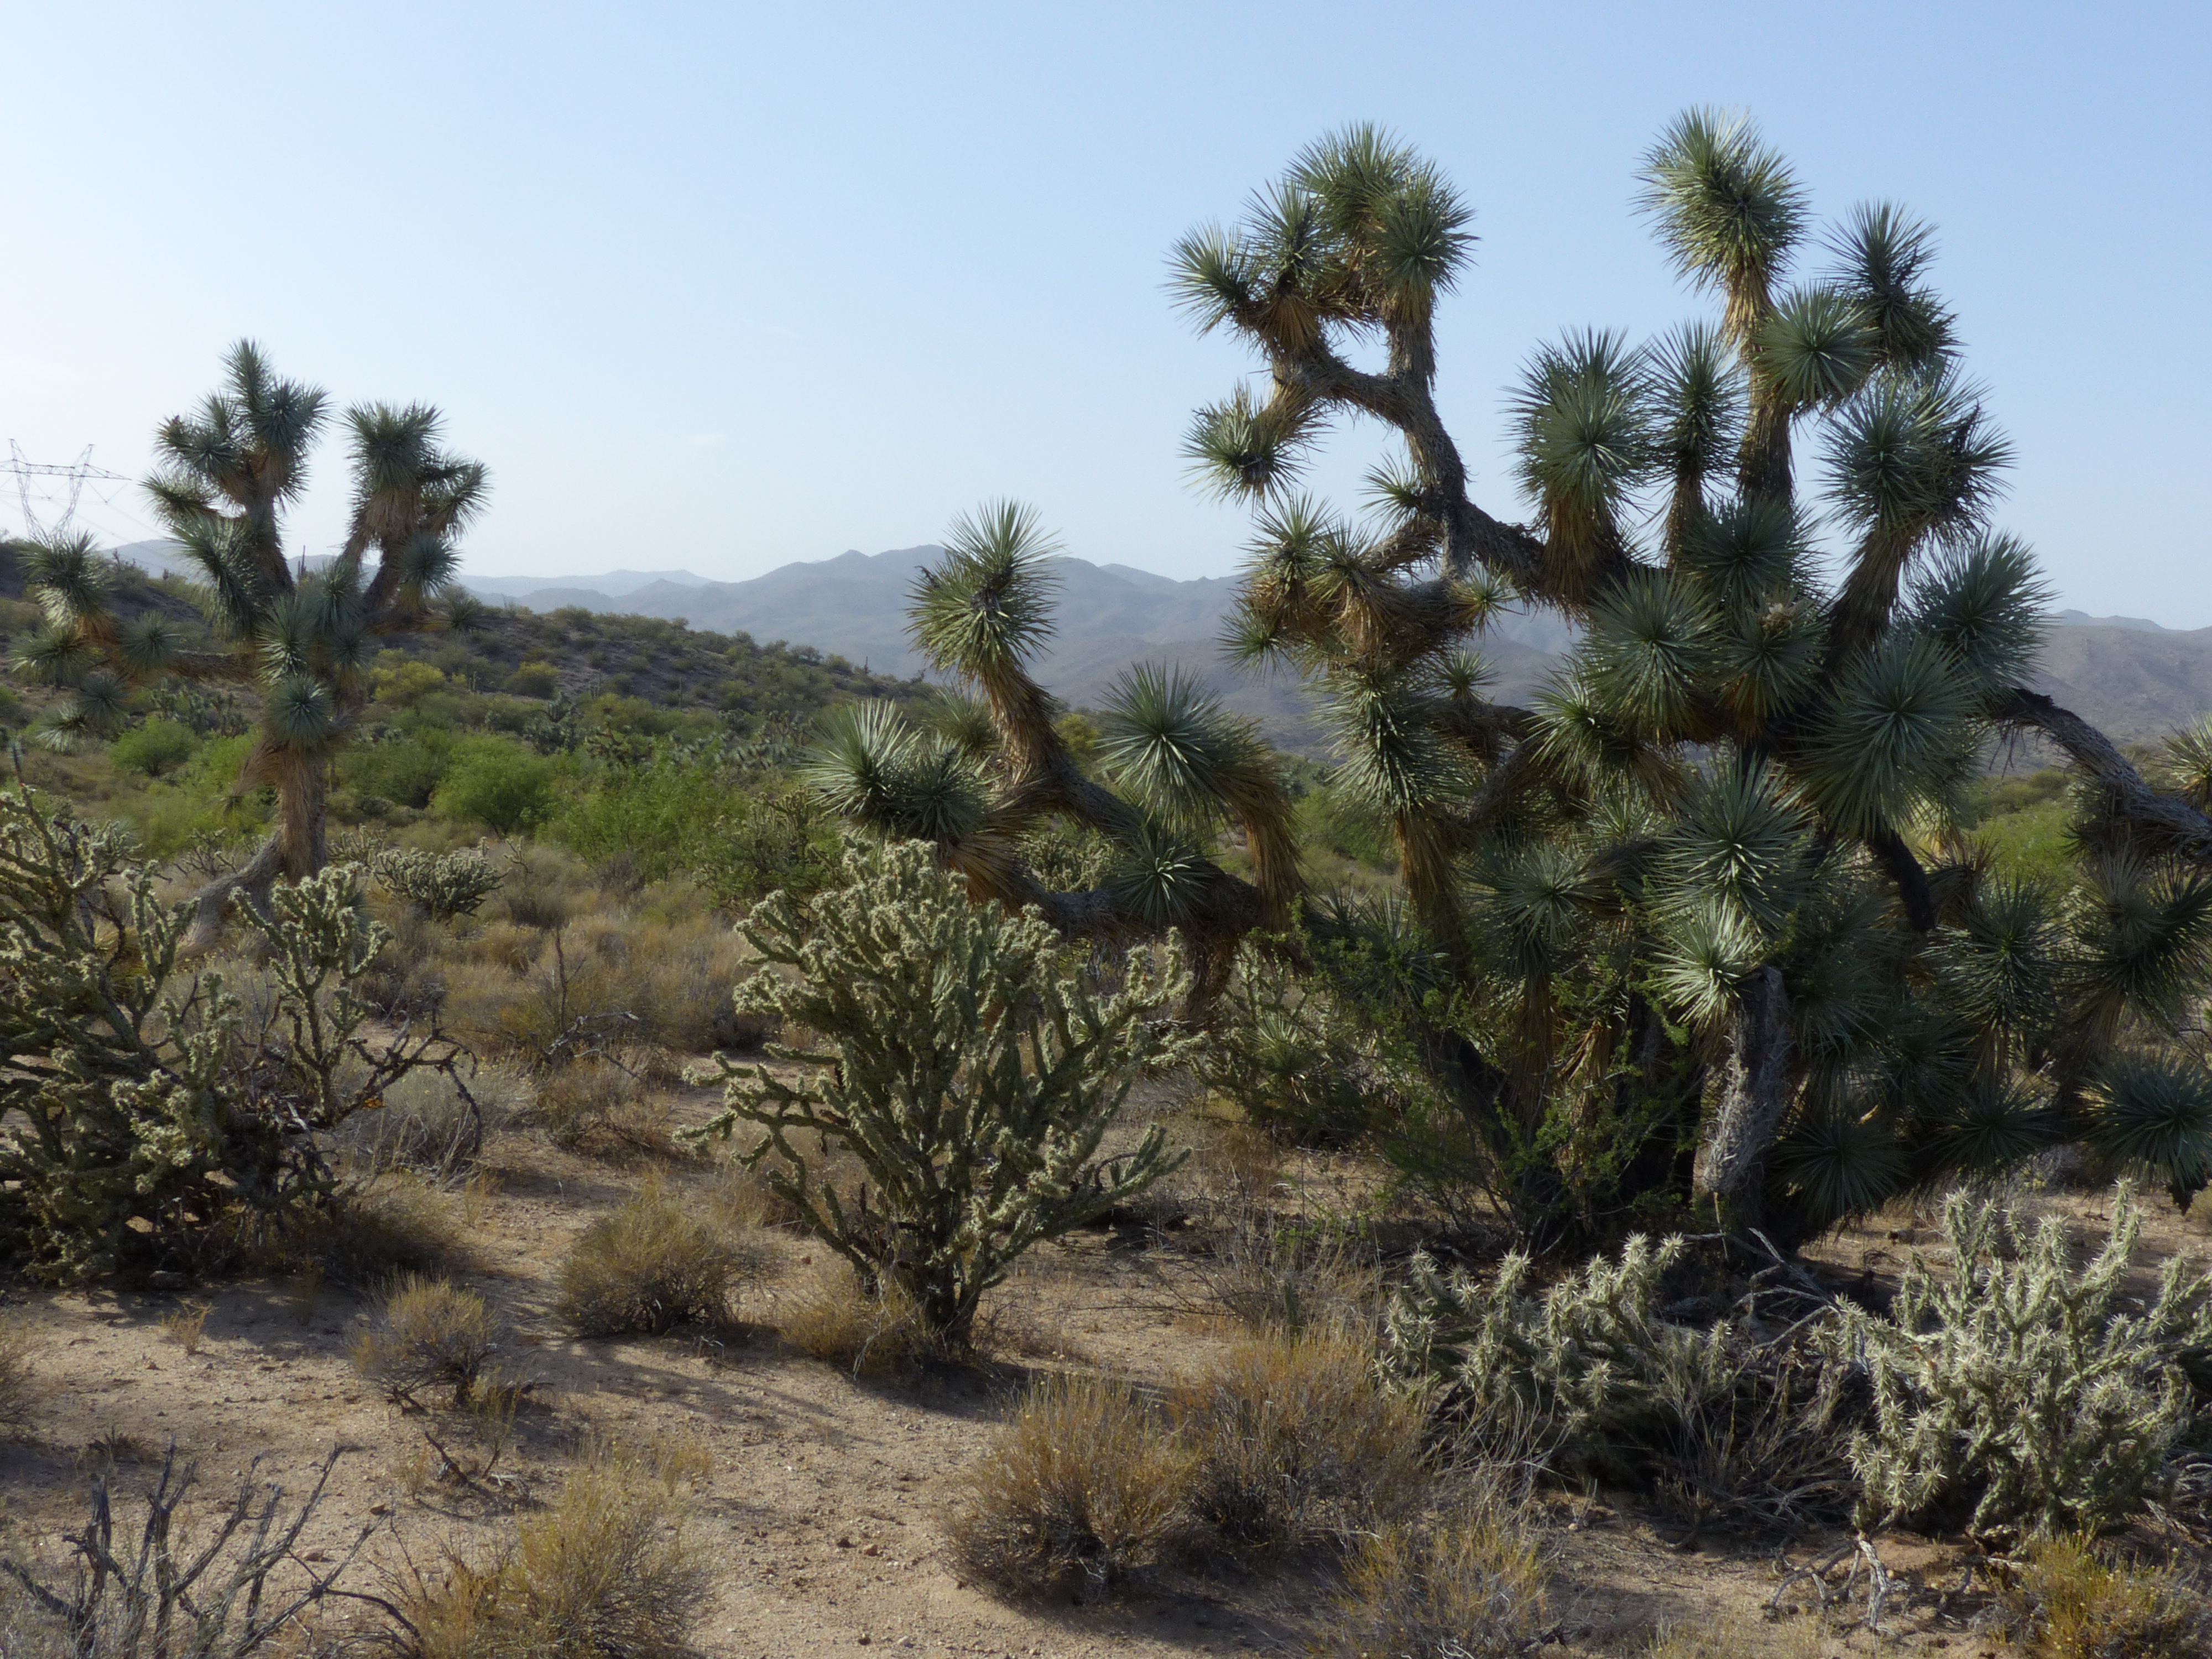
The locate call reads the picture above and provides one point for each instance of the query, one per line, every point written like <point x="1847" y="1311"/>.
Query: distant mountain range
<point x="1109" y="616"/>
<point x="2128" y="674"/>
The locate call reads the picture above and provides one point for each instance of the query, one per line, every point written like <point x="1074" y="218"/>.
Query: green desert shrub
<point x="430" y="1332"/>
<point x="404" y="768"/>
<point x="2019" y="1392"/>
<point x="442" y="885"/>
<point x="498" y="782"/>
<point x="1287" y="1057"/>
<point x="967" y="1060"/>
<point x="154" y="748"/>
<point x="534" y="679"/>
<point x="651" y="1264"/>
<point x="739" y="835"/>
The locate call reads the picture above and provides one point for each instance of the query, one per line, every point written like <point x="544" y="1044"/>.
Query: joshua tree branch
<point x="2167" y="822"/>
<point x="1472" y="537"/>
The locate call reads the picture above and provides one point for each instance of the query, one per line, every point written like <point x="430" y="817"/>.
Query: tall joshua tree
<point x="1704" y="920"/>
<point x="302" y="637"/>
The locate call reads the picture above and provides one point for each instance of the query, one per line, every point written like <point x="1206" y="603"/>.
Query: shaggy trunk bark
<point x="1754" y="1093"/>
<point x="296" y="848"/>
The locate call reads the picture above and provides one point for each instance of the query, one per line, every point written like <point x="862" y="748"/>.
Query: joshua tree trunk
<point x="297" y="848"/>
<point x="1754" y="1095"/>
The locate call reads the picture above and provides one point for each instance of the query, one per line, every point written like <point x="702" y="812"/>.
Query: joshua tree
<point x="1702" y="922"/>
<point x="304" y="637"/>
<point x="993" y="767"/>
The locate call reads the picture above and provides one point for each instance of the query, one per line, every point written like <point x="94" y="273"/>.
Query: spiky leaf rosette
<point x="876" y="772"/>
<point x="1884" y="252"/>
<point x="1739" y="843"/>
<point x="1988" y="605"/>
<point x="2152" y="1115"/>
<point x="985" y="610"/>
<point x="1727" y="208"/>
<point x="1649" y="654"/>
<point x="1900" y="732"/>
<point x="1842" y="1162"/>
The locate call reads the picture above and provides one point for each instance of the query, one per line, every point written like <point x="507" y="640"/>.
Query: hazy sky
<point x="726" y="286"/>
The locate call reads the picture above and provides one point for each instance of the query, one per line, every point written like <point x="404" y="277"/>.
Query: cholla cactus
<point x="1588" y="1370"/>
<point x="2044" y="1397"/>
<point x="442" y="885"/>
<point x="304" y="638"/>
<point x="962" y="1056"/>
<point x="143" y="1110"/>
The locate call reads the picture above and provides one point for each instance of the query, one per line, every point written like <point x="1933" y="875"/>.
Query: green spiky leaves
<point x="300" y="713"/>
<point x="1727" y="208"/>
<point x="1843" y="1162"/>
<point x="1885" y="253"/>
<point x="1384" y="728"/>
<point x="67" y="577"/>
<point x="1157" y="877"/>
<point x="987" y="607"/>
<point x="1168" y="744"/>
<point x="1988" y="605"/>
<point x="1816" y="349"/>
<point x="1650" y="651"/>
<point x="875" y="771"/>
<point x="1360" y="232"/>
<point x="1246" y="449"/>
<point x="2152" y="1114"/>
<point x="1899" y="733"/>
<point x="1584" y="434"/>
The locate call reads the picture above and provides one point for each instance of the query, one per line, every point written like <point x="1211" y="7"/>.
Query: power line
<point x="76" y="472"/>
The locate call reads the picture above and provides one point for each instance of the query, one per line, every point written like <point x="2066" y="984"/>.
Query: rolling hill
<point x="2128" y="675"/>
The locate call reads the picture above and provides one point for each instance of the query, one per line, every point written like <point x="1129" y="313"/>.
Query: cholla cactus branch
<point x="968" y="1063"/>
<point x="2035" y="1397"/>
<point x="144" y="1110"/>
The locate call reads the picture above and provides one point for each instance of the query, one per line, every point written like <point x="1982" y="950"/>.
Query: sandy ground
<point x="823" y="1497"/>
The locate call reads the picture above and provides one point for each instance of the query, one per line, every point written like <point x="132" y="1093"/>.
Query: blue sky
<point x="726" y="286"/>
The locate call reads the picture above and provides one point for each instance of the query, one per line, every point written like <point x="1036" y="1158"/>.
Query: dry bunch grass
<point x="651" y="1264"/>
<point x="607" y="1571"/>
<point x="1283" y="1443"/>
<point x="1297" y="1443"/>
<point x="1727" y="1637"/>
<point x="431" y="1334"/>
<point x="826" y="1315"/>
<point x="186" y="1325"/>
<point x="596" y="1105"/>
<point x="1465" y="1587"/>
<point x="17" y="1391"/>
<point x="2073" y="1602"/>
<point x="1083" y="1489"/>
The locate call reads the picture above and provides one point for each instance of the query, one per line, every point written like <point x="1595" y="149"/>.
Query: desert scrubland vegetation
<point x="563" y="1134"/>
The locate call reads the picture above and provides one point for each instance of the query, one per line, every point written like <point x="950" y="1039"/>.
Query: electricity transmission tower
<point x="76" y="473"/>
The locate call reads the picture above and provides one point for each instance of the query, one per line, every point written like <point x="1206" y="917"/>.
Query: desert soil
<point x="821" y="1497"/>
